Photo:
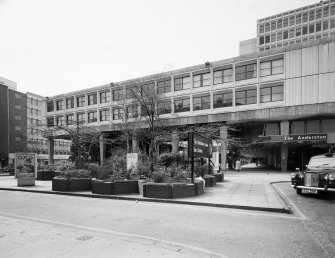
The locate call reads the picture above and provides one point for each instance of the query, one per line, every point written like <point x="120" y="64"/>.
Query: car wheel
<point x="299" y="191"/>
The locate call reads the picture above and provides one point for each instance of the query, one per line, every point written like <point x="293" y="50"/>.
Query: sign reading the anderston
<point x="199" y="146"/>
<point x="305" y="137"/>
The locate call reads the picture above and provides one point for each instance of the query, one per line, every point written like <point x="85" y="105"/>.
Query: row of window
<point x="32" y="121"/>
<point x="299" y="18"/>
<point x="32" y="101"/>
<point x="32" y="111"/>
<point x="44" y="151"/>
<point x="224" y="75"/>
<point x="220" y="100"/>
<point x="43" y="142"/>
<point x="297" y="41"/>
<point x="298" y="31"/>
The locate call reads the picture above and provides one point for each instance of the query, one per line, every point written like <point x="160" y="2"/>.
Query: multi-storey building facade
<point x="272" y="95"/>
<point x="36" y="143"/>
<point x="13" y="125"/>
<point x="301" y="25"/>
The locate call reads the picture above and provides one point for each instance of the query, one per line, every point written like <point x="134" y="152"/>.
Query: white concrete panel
<point x="331" y="56"/>
<point x="310" y="89"/>
<point x="293" y="92"/>
<point x="310" y="62"/>
<point x="293" y="63"/>
<point x="327" y="87"/>
<point x="324" y="58"/>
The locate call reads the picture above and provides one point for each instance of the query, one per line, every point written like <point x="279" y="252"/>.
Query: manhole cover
<point x="84" y="237"/>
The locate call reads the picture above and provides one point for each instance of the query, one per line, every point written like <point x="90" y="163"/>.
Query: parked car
<point x="318" y="177"/>
<point x="8" y="169"/>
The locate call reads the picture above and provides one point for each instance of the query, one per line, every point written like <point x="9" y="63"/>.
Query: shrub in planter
<point x="45" y="175"/>
<point x="73" y="180"/>
<point x="93" y="168"/>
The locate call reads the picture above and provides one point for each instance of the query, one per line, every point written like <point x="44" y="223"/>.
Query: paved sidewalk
<point x="242" y="190"/>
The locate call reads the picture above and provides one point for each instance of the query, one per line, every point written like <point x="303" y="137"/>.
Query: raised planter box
<point x="157" y="190"/>
<point x="180" y="190"/>
<point x="125" y="187"/>
<point x="210" y="180"/>
<point x="45" y="175"/>
<point x="219" y="177"/>
<point x="199" y="187"/>
<point x="71" y="185"/>
<point x="25" y="181"/>
<point x="102" y="187"/>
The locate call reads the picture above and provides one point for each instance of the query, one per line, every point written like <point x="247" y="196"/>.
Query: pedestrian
<point x="238" y="165"/>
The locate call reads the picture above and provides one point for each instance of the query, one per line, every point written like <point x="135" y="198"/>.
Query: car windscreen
<point x="322" y="162"/>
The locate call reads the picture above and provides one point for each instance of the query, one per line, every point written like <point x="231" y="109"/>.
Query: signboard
<point x="25" y="165"/>
<point x="199" y="146"/>
<point x="294" y="138"/>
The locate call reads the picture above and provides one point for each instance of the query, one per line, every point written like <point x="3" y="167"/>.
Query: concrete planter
<point x="25" y="181"/>
<point x="219" y="177"/>
<point x="199" y="187"/>
<point x="210" y="180"/>
<point x="182" y="190"/>
<point x="157" y="190"/>
<point x="71" y="185"/>
<point x="115" y="188"/>
<point x="172" y="190"/>
<point x="45" y="175"/>
<point x="140" y="186"/>
<point x="102" y="187"/>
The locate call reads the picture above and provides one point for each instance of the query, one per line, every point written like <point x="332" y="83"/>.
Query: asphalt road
<point x="232" y="233"/>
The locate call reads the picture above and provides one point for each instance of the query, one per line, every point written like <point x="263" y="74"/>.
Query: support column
<point x="284" y="130"/>
<point x="102" y="149"/>
<point x="135" y="142"/>
<point x="223" y="149"/>
<point x="51" y="149"/>
<point x="175" y="141"/>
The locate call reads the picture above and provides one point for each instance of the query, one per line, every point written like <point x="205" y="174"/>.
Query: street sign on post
<point x="199" y="147"/>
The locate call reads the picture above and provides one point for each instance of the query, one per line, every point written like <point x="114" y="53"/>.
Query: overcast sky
<point x="51" y="47"/>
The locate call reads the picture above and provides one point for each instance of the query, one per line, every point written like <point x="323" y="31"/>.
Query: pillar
<point x="134" y="142"/>
<point x="175" y="141"/>
<point x="51" y="149"/>
<point x="284" y="130"/>
<point x="223" y="151"/>
<point x="102" y="149"/>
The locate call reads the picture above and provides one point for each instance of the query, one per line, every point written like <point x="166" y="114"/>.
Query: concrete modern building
<point x="36" y="143"/>
<point x="13" y="120"/>
<point x="283" y="100"/>
<point x="301" y="25"/>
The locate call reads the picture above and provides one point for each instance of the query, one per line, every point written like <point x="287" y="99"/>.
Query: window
<point x="59" y="120"/>
<point x="285" y="34"/>
<point x="291" y="33"/>
<point x="261" y="28"/>
<point x="273" y="37"/>
<point x="272" y="67"/>
<point x="223" y="100"/>
<point x="147" y="88"/>
<point x="92" y="117"/>
<point x="201" y="80"/>
<point x="318" y="14"/>
<point x="69" y="119"/>
<point x="261" y="40"/>
<point x="311" y="15"/>
<point x="304" y="17"/>
<point x="104" y="96"/>
<point x="182" y="83"/>
<point x="285" y="22"/>
<point x="273" y="25"/>
<point x="326" y="11"/>
<point x="17" y="106"/>
<point x="304" y="30"/>
<point x="267" y="27"/>
<point x="132" y="112"/>
<point x="223" y="76"/>
<point x="164" y="86"/>
<point x="59" y="105"/>
<point x="50" y="121"/>
<point x="17" y="96"/>
<point x="17" y="117"/>
<point x="318" y="27"/>
<point x="92" y="99"/>
<point x="50" y="106"/>
<point x="267" y="39"/>
<point x="117" y="94"/>
<point x="279" y="36"/>
<point x="332" y="10"/>
<point x="69" y="103"/>
<point x="332" y="24"/>
<point x="298" y="18"/>
<point x="246" y="97"/>
<point x="164" y="107"/>
<point x="182" y="105"/>
<point x="325" y="25"/>
<point x="201" y="103"/>
<point x="81" y="101"/>
<point x="37" y="102"/>
<point x="292" y="20"/>
<point x="246" y="72"/>
<point x="271" y="93"/>
<point x="298" y="32"/>
<point x="117" y="114"/>
<point x="104" y="115"/>
<point x="279" y="23"/>
<point x="311" y="28"/>
<point x="131" y="92"/>
<point x="81" y="118"/>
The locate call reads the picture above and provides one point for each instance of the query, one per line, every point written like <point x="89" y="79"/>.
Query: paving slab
<point x="249" y="190"/>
